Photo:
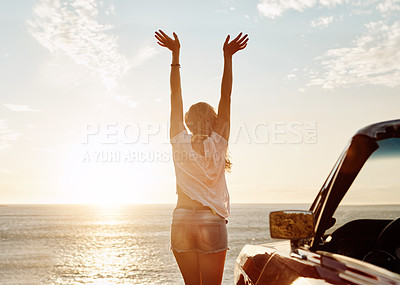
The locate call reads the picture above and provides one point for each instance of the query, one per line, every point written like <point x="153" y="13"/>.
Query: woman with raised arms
<point x="199" y="238"/>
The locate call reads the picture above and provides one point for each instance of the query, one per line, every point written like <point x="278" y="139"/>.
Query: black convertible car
<point x="328" y="244"/>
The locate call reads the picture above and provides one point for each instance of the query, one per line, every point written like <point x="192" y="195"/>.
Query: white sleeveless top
<point x="202" y="178"/>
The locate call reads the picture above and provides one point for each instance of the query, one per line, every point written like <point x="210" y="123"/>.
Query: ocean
<point x="82" y="244"/>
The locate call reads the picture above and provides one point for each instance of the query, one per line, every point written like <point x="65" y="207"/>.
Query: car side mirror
<point x="293" y="225"/>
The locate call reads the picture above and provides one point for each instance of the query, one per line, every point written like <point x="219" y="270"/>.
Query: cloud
<point x="6" y="135"/>
<point x="71" y="27"/>
<point x="331" y="3"/>
<point x="275" y="8"/>
<point x="144" y="54"/>
<point x="322" y="22"/>
<point x="124" y="99"/>
<point x="388" y="7"/>
<point x="46" y="149"/>
<point x="372" y="59"/>
<point x="20" y="108"/>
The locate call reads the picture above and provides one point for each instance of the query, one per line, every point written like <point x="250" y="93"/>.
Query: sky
<point x="84" y="101"/>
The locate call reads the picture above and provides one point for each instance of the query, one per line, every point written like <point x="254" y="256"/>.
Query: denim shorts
<point x="198" y="229"/>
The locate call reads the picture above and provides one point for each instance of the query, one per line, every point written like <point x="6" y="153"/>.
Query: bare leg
<point x="188" y="263"/>
<point x="212" y="267"/>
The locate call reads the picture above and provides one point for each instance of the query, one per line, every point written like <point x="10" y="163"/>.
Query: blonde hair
<point x="200" y="120"/>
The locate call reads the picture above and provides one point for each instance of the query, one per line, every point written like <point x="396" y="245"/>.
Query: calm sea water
<point x="75" y="244"/>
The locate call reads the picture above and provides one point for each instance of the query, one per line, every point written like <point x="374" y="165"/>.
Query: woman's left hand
<point x="165" y="41"/>
<point x="239" y="43"/>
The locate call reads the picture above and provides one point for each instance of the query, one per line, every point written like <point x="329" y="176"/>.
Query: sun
<point x="104" y="182"/>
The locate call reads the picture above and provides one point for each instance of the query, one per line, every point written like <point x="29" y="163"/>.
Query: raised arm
<point x="224" y="107"/>
<point x="175" y="82"/>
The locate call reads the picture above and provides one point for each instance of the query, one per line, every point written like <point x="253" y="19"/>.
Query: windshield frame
<point x="339" y="181"/>
<point x="346" y="169"/>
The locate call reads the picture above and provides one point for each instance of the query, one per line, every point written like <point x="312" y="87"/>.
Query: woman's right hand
<point x="165" y="41"/>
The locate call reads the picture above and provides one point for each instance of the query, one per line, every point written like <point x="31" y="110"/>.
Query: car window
<point x="375" y="193"/>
